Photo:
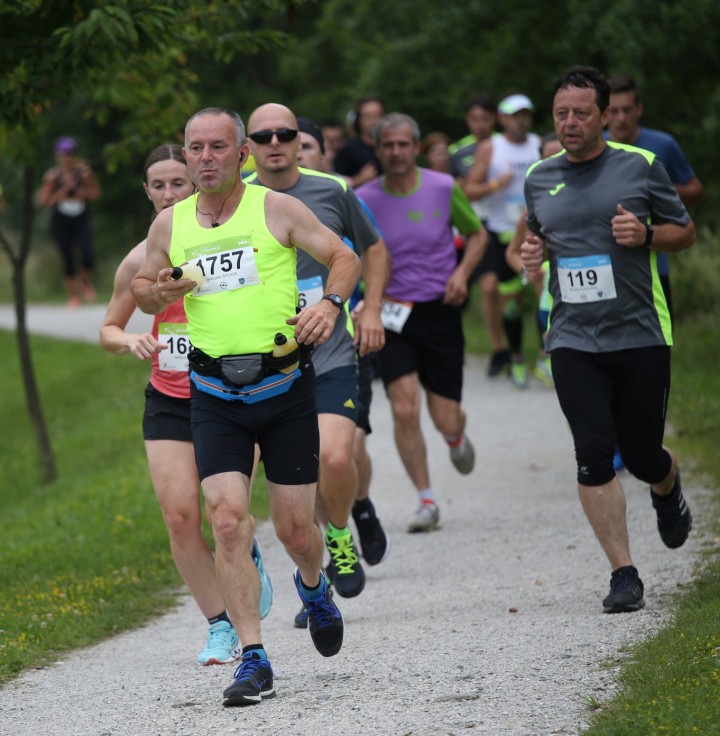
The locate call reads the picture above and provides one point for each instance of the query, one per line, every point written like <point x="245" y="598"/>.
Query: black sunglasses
<point x="263" y="137"/>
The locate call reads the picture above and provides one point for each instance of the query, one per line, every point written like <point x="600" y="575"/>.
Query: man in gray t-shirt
<point x="272" y="130"/>
<point x="603" y="211"/>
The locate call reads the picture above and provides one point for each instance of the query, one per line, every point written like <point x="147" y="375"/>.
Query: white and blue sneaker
<point x="266" y="589"/>
<point x="222" y="644"/>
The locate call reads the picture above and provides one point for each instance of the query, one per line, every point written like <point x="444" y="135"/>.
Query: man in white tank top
<point x="498" y="175"/>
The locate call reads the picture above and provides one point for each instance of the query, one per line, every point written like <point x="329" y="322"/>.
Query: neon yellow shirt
<point x="249" y="287"/>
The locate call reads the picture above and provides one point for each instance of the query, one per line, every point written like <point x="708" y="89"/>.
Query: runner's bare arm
<point x="294" y="225"/>
<point x="113" y="336"/>
<point x="153" y="287"/>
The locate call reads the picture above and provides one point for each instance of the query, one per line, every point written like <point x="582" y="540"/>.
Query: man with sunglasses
<point x="244" y="240"/>
<point x="273" y="133"/>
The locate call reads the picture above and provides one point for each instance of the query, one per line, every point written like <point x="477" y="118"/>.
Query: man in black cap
<point x="311" y="151"/>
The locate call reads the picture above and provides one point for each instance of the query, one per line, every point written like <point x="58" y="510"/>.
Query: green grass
<point x="86" y="556"/>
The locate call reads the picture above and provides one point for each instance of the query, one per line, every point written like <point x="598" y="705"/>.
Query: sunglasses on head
<point x="263" y="137"/>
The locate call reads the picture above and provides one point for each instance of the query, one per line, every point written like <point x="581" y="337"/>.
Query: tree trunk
<point x="32" y="397"/>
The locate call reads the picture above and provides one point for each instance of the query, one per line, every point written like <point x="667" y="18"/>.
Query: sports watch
<point x="649" y="234"/>
<point x="335" y="299"/>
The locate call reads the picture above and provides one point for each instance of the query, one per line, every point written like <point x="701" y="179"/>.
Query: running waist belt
<point x="241" y="370"/>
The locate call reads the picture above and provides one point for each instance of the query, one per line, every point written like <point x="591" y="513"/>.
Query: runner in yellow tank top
<point x="233" y="313"/>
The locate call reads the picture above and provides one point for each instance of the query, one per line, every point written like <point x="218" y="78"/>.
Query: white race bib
<point x="588" y="279"/>
<point x="394" y="314"/>
<point x="310" y="291"/>
<point x="226" y="265"/>
<point x="514" y="207"/>
<point x="175" y="336"/>
<point x="71" y="207"/>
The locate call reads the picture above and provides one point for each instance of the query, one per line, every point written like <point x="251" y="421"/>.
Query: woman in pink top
<point x="166" y="422"/>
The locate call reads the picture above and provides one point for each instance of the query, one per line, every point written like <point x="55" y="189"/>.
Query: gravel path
<point x="491" y="625"/>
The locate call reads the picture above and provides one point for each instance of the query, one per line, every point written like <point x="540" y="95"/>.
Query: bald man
<point x="274" y="143"/>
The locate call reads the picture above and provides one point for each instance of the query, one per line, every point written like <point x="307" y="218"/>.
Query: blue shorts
<point x="337" y="392"/>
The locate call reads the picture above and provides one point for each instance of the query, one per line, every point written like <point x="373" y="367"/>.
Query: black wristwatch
<point x="336" y="300"/>
<point x="649" y="234"/>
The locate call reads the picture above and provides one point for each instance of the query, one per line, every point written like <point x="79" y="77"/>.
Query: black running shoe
<point x="626" y="591"/>
<point x="499" y="362"/>
<point x="324" y="619"/>
<point x="253" y="682"/>
<point x="374" y="543"/>
<point x="300" y="621"/>
<point x="344" y="570"/>
<point x="674" y="519"/>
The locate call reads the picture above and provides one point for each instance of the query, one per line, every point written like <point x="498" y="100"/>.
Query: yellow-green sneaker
<point x="543" y="372"/>
<point x="519" y="375"/>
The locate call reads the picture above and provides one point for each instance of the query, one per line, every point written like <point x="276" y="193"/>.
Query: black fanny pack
<point x="241" y="370"/>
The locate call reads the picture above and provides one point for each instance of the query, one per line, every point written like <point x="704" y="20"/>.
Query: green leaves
<point x="126" y="60"/>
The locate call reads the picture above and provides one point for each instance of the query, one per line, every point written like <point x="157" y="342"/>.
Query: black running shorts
<point x="615" y="400"/>
<point x="493" y="261"/>
<point x="285" y="427"/>
<point x="166" y="417"/>
<point x="432" y="345"/>
<point x="366" y="374"/>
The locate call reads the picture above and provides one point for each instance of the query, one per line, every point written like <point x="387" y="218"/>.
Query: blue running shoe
<point x="618" y="462"/>
<point x="301" y="619"/>
<point x="253" y="682"/>
<point x="266" y="589"/>
<point x="221" y="645"/>
<point x="324" y="619"/>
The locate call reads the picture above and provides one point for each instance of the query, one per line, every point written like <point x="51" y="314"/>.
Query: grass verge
<point x="86" y="556"/>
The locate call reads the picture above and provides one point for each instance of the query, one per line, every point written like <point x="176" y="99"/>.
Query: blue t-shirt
<point x="668" y="150"/>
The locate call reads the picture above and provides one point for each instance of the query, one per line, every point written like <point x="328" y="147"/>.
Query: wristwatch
<point x="649" y="234"/>
<point x="335" y="299"/>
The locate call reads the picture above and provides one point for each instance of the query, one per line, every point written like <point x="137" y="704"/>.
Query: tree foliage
<point x="428" y="58"/>
<point x="125" y="63"/>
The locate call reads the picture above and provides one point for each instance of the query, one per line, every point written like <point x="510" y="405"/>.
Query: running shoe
<point x="425" y="519"/>
<point x="344" y="570"/>
<point x="626" y="591"/>
<point x="301" y="618"/>
<point x="674" y="519"/>
<point x="221" y="645"/>
<point x="499" y="362"/>
<point x="618" y="462"/>
<point x="543" y="372"/>
<point x="374" y="543"/>
<point x="266" y="589"/>
<point x="324" y="619"/>
<point x="252" y="682"/>
<point x="519" y="375"/>
<point x="463" y="456"/>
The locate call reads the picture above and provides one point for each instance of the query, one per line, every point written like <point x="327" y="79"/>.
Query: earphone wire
<point x="213" y="219"/>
